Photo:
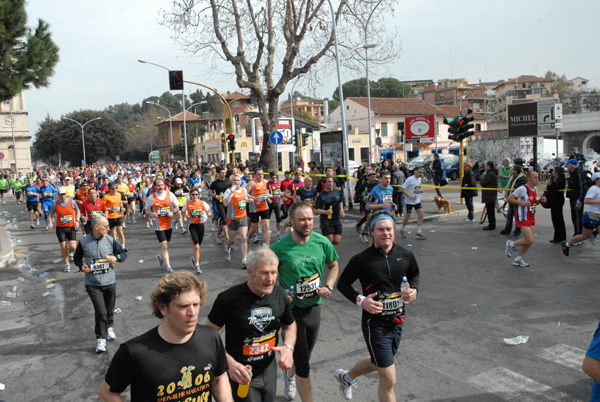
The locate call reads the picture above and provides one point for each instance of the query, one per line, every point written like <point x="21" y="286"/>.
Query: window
<point x="384" y="131"/>
<point x="351" y="154"/>
<point x="236" y="104"/>
<point x="364" y="155"/>
<point x="478" y="127"/>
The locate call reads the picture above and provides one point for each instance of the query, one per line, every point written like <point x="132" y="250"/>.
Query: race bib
<point x="387" y="198"/>
<point x="311" y="201"/>
<point x="164" y="211"/>
<point x="532" y="209"/>
<point x="178" y="193"/>
<point x="307" y="286"/>
<point x="30" y="193"/>
<point x="66" y="219"/>
<point x="196" y="213"/>
<point x="417" y="189"/>
<point x="100" y="267"/>
<point x="47" y="194"/>
<point x="262" y="197"/>
<point x="242" y="204"/>
<point x="392" y="303"/>
<point x="116" y="209"/>
<point x="258" y="346"/>
<point x="95" y="213"/>
<point x="277" y="192"/>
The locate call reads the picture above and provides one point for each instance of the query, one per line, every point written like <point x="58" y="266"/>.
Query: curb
<point x="6" y="248"/>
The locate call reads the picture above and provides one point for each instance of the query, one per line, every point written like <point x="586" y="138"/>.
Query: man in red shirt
<point x="91" y="208"/>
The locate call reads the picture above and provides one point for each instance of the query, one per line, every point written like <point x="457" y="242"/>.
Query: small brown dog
<point x="442" y="205"/>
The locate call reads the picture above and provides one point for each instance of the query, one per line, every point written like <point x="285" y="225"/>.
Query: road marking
<point x="565" y="355"/>
<point x="516" y="387"/>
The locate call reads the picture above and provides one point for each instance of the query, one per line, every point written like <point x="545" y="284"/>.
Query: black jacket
<point x="468" y="181"/>
<point x="490" y="180"/>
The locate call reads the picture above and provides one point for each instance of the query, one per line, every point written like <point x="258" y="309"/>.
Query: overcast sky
<point x="100" y="42"/>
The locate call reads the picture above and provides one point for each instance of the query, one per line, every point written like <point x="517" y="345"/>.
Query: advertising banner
<point x="420" y="129"/>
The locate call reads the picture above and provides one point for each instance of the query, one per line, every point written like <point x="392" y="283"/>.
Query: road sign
<point x="276" y="137"/>
<point x="558" y="124"/>
<point x="223" y="138"/>
<point x="558" y="111"/>
<point x="1" y="156"/>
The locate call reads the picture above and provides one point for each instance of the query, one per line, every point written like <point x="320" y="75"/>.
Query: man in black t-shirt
<point x="176" y="360"/>
<point x="329" y="205"/>
<point x="217" y="188"/>
<point x="253" y="312"/>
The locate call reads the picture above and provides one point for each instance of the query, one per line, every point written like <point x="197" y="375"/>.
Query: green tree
<point x="561" y="84"/>
<point x="26" y="58"/>
<point x="383" y="88"/>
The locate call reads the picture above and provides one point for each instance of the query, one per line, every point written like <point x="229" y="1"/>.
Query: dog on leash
<point x="442" y="205"/>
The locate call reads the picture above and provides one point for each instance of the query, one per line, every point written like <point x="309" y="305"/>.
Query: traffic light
<point x="176" y="80"/>
<point x="454" y="127"/>
<point x="223" y="148"/>
<point x="231" y="139"/>
<point x="296" y="139"/>
<point x="305" y="139"/>
<point x="464" y="125"/>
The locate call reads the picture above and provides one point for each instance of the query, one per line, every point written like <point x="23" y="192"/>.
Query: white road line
<point x="565" y="355"/>
<point x="516" y="387"/>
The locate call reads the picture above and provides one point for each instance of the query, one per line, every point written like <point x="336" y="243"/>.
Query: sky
<point x="101" y="41"/>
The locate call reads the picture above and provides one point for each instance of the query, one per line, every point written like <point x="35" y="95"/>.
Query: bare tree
<point x="268" y="43"/>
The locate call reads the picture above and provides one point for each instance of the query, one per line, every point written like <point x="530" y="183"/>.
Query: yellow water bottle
<point x="242" y="391"/>
<point x="330" y="213"/>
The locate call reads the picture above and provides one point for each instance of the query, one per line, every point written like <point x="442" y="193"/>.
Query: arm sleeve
<point x="121" y="369"/>
<point x="318" y="202"/>
<point x="330" y="254"/>
<point x="217" y="313"/>
<point x="78" y="256"/>
<point x="119" y="252"/>
<point x="348" y="277"/>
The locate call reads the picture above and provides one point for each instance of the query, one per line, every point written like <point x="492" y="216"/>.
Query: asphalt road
<point x="470" y="299"/>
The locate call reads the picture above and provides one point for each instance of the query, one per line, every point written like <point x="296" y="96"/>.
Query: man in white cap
<point x="67" y="223"/>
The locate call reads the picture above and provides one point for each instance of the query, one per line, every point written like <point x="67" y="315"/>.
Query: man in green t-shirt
<point x="3" y="188"/>
<point x="302" y="257"/>
<point x="17" y="188"/>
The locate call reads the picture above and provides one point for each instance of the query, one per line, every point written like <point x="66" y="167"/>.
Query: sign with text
<point x="331" y="147"/>
<point x="533" y="119"/>
<point x="420" y="129"/>
<point x="284" y="126"/>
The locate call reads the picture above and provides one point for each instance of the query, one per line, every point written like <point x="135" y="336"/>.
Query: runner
<point x="17" y="188"/>
<point x="131" y="196"/>
<point x="3" y="187"/>
<point x="181" y="191"/>
<point x="381" y="197"/>
<point x="123" y="189"/>
<point x="287" y="203"/>
<point x="197" y="211"/>
<point x="217" y="189"/>
<point x="302" y="257"/>
<point x="48" y="193"/>
<point x="259" y="209"/>
<point x="306" y="193"/>
<point x="362" y="195"/>
<point x="115" y="205"/>
<point x="591" y="216"/>
<point x="252" y="313"/>
<point x="274" y="188"/>
<point x="91" y="208"/>
<point x="33" y="193"/>
<point x="162" y="205"/>
<point x="525" y="200"/>
<point x="411" y="190"/>
<point x="330" y="205"/>
<point x="236" y="199"/>
<point x="67" y="223"/>
<point x="383" y="312"/>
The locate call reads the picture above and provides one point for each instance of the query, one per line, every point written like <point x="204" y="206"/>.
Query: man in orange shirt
<point x="114" y="205"/>
<point x="236" y="200"/>
<point x="160" y="206"/>
<point x="259" y="208"/>
<point x="67" y="222"/>
<point x="81" y="196"/>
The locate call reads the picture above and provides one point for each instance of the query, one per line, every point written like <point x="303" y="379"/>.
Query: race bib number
<point x="66" y="219"/>
<point x="47" y="194"/>
<point x="242" y="204"/>
<point x="277" y="192"/>
<point x="532" y="209"/>
<point x="178" y="193"/>
<point x="392" y="303"/>
<point x="417" y="189"/>
<point x="30" y="193"/>
<point x="100" y="267"/>
<point x="255" y="348"/>
<point x="95" y="213"/>
<point x="387" y="198"/>
<point x="116" y="209"/>
<point x="196" y="213"/>
<point x="307" y="286"/>
<point x="164" y="211"/>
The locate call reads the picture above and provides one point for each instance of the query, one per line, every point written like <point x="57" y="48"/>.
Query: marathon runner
<point x="259" y="209"/>
<point x="330" y="205"/>
<point x="115" y="205"/>
<point x="197" y="211"/>
<point x="67" y="223"/>
<point x="236" y="200"/>
<point x="33" y="194"/>
<point x="91" y="208"/>
<point x="217" y="189"/>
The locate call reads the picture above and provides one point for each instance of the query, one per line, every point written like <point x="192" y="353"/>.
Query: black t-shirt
<point x="161" y="371"/>
<point x="252" y="323"/>
<point x="220" y="186"/>
<point x="328" y="199"/>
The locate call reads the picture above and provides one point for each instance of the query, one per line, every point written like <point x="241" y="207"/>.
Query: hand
<point x="50" y="225"/>
<point x="239" y="374"/>
<point x="409" y="295"/>
<point x="342" y="213"/>
<point x="324" y="292"/>
<point x="527" y="203"/>
<point x="414" y="197"/>
<point x="170" y="214"/>
<point x="371" y="306"/>
<point x="86" y="269"/>
<point x="542" y="199"/>
<point x="286" y="357"/>
<point x="386" y="205"/>
<point x="76" y="224"/>
<point x="112" y="260"/>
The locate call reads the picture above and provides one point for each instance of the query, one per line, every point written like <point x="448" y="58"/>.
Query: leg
<point x="387" y="383"/>
<point x="527" y="240"/>
<point x="197" y="253"/>
<point x="72" y="246"/>
<point x="491" y="210"/>
<point x="336" y="239"/>
<point x="364" y="366"/>
<point x="586" y="233"/>
<point x="100" y="313"/>
<point x="419" y="217"/>
<point x="253" y="227"/>
<point x="266" y="225"/>
<point x="64" y="251"/>
<point x="243" y="232"/>
<point x="110" y="295"/>
<point x="164" y="252"/>
<point x="469" y="204"/>
<point x="121" y="235"/>
<point x="406" y="218"/>
<point x="231" y="239"/>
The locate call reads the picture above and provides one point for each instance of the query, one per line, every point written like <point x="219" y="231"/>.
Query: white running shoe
<point x="345" y="388"/>
<point x="161" y="262"/>
<point x="67" y="267"/>
<point x="37" y="220"/>
<point x="244" y="263"/>
<point x="289" y="385"/>
<point x="111" y="334"/>
<point x="255" y="239"/>
<point x="421" y="236"/>
<point x="519" y="262"/>
<point x="101" y="346"/>
<point x="403" y="233"/>
<point x="509" y="249"/>
<point x="218" y="238"/>
<point x="169" y="270"/>
<point x="364" y="238"/>
<point x="148" y="225"/>
<point x="228" y="253"/>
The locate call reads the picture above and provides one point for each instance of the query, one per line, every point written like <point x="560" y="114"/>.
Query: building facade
<point x="15" y="148"/>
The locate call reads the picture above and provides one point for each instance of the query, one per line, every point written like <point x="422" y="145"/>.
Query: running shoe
<point x="364" y="237"/>
<point x="228" y="253"/>
<point x="161" y="262"/>
<point x="37" y="220"/>
<point x="358" y="229"/>
<point x="345" y="388"/>
<point x="565" y="249"/>
<point x="289" y="385"/>
<point x="148" y="225"/>
<point x="67" y="267"/>
<point x="509" y="249"/>
<point x="520" y="262"/>
<point x="421" y="236"/>
<point x="255" y="239"/>
<point x="176" y="226"/>
<point x="32" y="227"/>
<point x="184" y="232"/>
<point x="111" y="334"/>
<point x="244" y="263"/>
<point x="218" y="238"/>
<point x="169" y="270"/>
<point x="193" y="262"/>
<point x="101" y="346"/>
<point x="403" y="233"/>
<point x="124" y="225"/>
<point x="593" y="239"/>
<point x="134" y="220"/>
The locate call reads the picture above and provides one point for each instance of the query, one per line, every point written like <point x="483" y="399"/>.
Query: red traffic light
<point x="231" y="137"/>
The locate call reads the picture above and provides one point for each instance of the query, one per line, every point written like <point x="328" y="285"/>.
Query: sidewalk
<point x="6" y="248"/>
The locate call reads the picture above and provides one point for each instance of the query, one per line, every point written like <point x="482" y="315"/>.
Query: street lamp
<point x="184" y="111"/>
<point x="82" y="132"/>
<point x="368" y="46"/>
<point x="170" y="119"/>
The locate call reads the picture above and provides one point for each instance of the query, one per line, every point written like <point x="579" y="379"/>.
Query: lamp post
<point x="184" y="111"/>
<point x="170" y="119"/>
<point x="82" y="132"/>
<point x="185" y="126"/>
<point x="368" y="46"/>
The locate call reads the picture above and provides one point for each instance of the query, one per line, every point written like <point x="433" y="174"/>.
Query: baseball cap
<point x="68" y="178"/>
<point x="298" y="169"/>
<point x="595" y="176"/>
<point x="178" y="180"/>
<point x="572" y="162"/>
<point x="46" y="178"/>
<point x="62" y="190"/>
<point x="469" y="165"/>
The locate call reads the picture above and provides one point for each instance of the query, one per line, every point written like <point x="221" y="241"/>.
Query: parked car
<point x="423" y="161"/>
<point x="352" y="168"/>
<point x="451" y="163"/>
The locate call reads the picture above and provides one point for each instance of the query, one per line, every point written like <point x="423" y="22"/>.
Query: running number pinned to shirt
<point x="307" y="286"/>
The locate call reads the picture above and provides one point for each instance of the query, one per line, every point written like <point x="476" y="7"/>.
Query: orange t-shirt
<point x="113" y="205"/>
<point x="81" y="195"/>
<point x="65" y="216"/>
<point x="260" y="190"/>
<point x="162" y="208"/>
<point x="195" y="211"/>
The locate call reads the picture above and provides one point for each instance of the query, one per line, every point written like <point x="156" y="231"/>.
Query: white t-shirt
<point x="412" y="185"/>
<point x="594" y="194"/>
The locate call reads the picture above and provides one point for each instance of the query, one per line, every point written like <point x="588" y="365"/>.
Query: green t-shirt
<point x="301" y="266"/>
<point x="18" y="186"/>
<point x="506" y="172"/>
<point x="3" y="184"/>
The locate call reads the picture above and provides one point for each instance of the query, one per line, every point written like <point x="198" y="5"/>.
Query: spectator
<point x="489" y="197"/>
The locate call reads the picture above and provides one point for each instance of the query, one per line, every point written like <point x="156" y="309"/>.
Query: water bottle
<point x="5" y="303"/>
<point x="11" y="295"/>
<point x="14" y="288"/>
<point x="49" y="281"/>
<point x="290" y="292"/>
<point x="242" y="390"/>
<point x="405" y="287"/>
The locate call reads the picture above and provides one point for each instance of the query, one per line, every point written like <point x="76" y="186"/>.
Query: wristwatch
<point x="329" y="287"/>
